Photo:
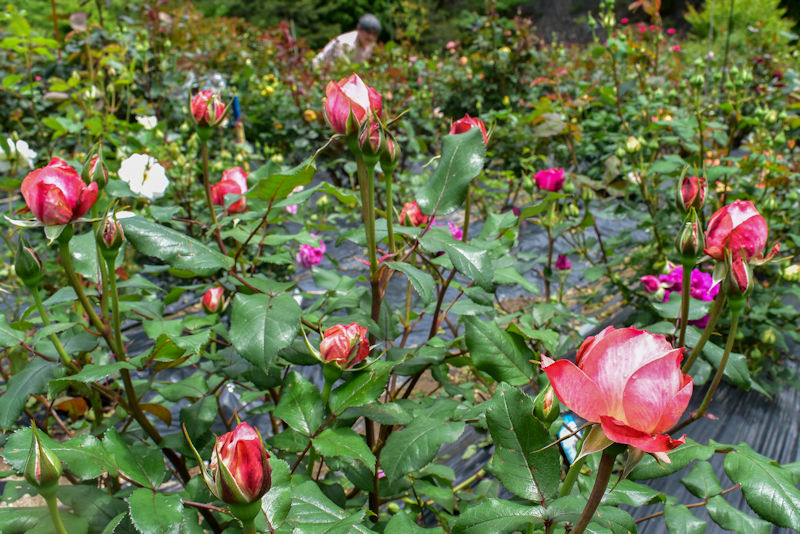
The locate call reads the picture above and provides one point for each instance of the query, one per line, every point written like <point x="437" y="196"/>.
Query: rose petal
<point x="651" y="390"/>
<point x="622" y="433"/>
<point x="575" y="389"/>
<point x="54" y="207"/>
<point x="87" y="198"/>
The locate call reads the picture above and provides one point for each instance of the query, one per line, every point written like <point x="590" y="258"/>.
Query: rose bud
<point x="370" y="139"/>
<point x="389" y="153"/>
<point x="56" y="194"/>
<point x="550" y="179"/>
<point x="546" y="407"/>
<point x="630" y="382"/>
<point x="740" y="280"/>
<point x="651" y="283"/>
<point x="28" y="265"/>
<point x="691" y="193"/>
<point x="109" y="238"/>
<point x="42" y="468"/>
<point x="562" y="263"/>
<point x="414" y="215"/>
<point x="738" y="228"/>
<point x="212" y="300"/>
<point x="466" y="123"/>
<point x="234" y="182"/>
<point x="207" y="108"/>
<point x="349" y="102"/>
<point x="690" y="240"/>
<point x="344" y="346"/>
<point x="240" y="470"/>
<point x="94" y="170"/>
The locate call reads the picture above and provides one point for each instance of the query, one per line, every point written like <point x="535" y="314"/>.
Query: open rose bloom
<point x="56" y="194"/>
<point x="234" y="182"/>
<point x="629" y="381"/>
<point x="350" y="97"/>
<point x="550" y="179"/>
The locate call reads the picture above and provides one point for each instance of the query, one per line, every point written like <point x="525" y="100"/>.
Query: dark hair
<point x="370" y="23"/>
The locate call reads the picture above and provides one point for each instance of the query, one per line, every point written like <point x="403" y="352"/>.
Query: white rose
<point x="144" y="175"/>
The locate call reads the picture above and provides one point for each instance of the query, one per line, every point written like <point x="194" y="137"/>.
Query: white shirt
<point x="345" y="45"/>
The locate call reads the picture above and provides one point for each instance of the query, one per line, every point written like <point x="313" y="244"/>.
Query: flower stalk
<point x="598" y="490"/>
<point x="716" y="311"/>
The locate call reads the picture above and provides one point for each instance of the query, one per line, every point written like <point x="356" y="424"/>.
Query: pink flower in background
<point x="413" y="213"/>
<point x="671" y="31"/>
<point x="562" y="263"/>
<point x="310" y="256"/>
<point x="623" y="20"/>
<point x="676" y="48"/>
<point x="466" y="123"/>
<point x="293" y="208"/>
<point x="455" y="231"/>
<point x="701" y="288"/>
<point x="550" y="179"/>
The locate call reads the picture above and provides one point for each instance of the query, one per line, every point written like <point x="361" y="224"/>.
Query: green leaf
<point x="156" y="513"/>
<point x="388" y="413"/>
<point x="141" y="463"/>
<point x="730" y="518"/>
<point x="702" y="481"/>
<point x="680" y="520"/>
<point x="90" y="373"/>
<point x="199" y="416"/>
<point x="496" y="515"/>
<point x="32" y="379"/>
<point x="277" y="501"/>
<point x="473" y="262"/>
<point x="511" y="276"/>
<point x="680" y="458"/>
<point x="502" y="355"/>
<point x="735" y="370"/>
<point x="672" y="308"/>
<point x="300" y="405"/>
<point x="769" y="489"/>
<point x="8" y="336"/>
<point x="274" y="184"/>
<point x="612" y="519"/>
<point x="344" y="442"/>
<point x="262" y="325"/>
<point x="403" y="522"/>
<point x="84" y="455"/>
<point x="632" y="494"/>
<point x="524" y="469"/>
<point x="174" y="247"/>
<point x="421" y="281"/>
<point x="365" y="387"/>
<point x="416" y="446"/>
<point x="461" y="161"/>
<point x="97" y="506"/>
<point x="312" y="512"/>
<point x="14" y="522"/>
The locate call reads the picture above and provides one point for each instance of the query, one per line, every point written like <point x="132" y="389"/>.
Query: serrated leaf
<point x="174" y="247"/>
<point x="679" y="520"/>
<point x="262" y="325"/>
<point x="421" y="281"/>
<point x="701" y="481"/>
<point x="8" y="336"/>
<point x="156" y="513"/>
<point x="518" y="462"/>
<point x="31" y="380"/>
<point x="471" y="261"/>
<point x="388" y="413"/>
<point x="504" y="356"/>
<point x="461" y="161"/>
<point x="85" y="456"/>
<point x="275" y="184"/>
<point x="680" y="458"/>
<point x="402" y="522"/>
<point x="632" y="494"/>
<point x="496" y="515"/>
<point x="300" y="405"/>
<point x="313" y="512"/>
<point x="277" y="501"/>
<point x="344" y="442"/>
<point x="730" y="518"/>
<point x="141" y="463"/>
<point x="768" y="489"/>
<point x="415" y="446"/>
<point x="365" y="387"/>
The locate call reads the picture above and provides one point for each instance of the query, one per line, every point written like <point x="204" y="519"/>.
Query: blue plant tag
<point x="570" y="444"/>
<point x="236" y="109"/>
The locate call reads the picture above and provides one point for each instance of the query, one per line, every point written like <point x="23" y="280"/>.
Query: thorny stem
<point x="599" y="489"/>
<point x="716" y="310"/>
<point x="685" y="294"/>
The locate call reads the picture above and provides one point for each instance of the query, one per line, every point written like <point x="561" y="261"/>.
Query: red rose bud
<point x="562" y="263"/>
<point x="349" y="102"/>
<point x="389" y="152"/>
<point x="740" y="279"/>
<point x="28" y="265"/>
<point x="546" y="407"/>
<point x="692" y="193"/>
<point x="630" y="382"/>
<point x="651" y="283"/>
<point x="207" y="108"/>
<point x="56" y="194"/>
<point x="234" y="182"/>
<point x="550" y="179"/>
<point x="239" y="467"/>
<point x="343" y="345"/>
<point x="690" y="241"/>
<point x="42" y="468"/>
<point x="109" y="238"/>
<point x="212" y="300"/>
<point x="466" y="123"/>
<point x="414" y="215"/>
<point x="738" y="228"/>
<point x="370" y="138"/>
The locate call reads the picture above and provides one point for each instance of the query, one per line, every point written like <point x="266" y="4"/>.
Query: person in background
<point x="356" y="45"/>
